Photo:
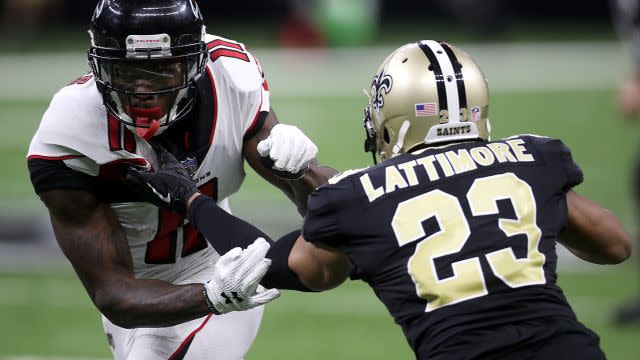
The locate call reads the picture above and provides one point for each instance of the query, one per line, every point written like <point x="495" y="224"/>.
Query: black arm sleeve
<point x="222" y="230"/>
<point x="225" y="231"/>
<point x="54" y="174"/>
<point x="280" y="274"/>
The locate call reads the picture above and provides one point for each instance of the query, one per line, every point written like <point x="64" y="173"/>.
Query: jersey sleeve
<point x="559" y="155"/>
<point x="572" y="170"/>
<point x="54" y="174"/>
<point x="77" y="145"/>
<point x="239" y="70"/>
<point x="76" y="129"/>
<point x="321" y="221"/>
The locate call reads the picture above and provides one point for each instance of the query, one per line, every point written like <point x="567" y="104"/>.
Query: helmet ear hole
<point x="430" y="67"/>
<point x="385" y="136"/>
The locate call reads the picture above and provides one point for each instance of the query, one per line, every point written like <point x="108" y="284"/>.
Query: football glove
<point x="234" y="286"/>
<point x="287" y="151"/>
<point x="170" y="187"/>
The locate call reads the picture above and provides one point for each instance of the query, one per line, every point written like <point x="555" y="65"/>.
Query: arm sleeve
<point x="221" y="229"/>
<point x="225" y="231"/>
<point x="54" y="174"/>
<point x="280" y="274"/>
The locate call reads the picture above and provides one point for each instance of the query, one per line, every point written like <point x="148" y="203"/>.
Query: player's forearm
<point x="318" y="267"/>
<point x="221" y="229"/>
<point x="149" y="303"/>
<point x="594" y="233"/>
<point x="315" y="176"/>
<point x="296" y="264"/>
<point x="225" y="231"/>
<point x="90" y="236"/>
<point x="281" y="274"/>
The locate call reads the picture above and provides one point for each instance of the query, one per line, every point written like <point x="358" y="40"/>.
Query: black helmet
<point x="146" y="56"/>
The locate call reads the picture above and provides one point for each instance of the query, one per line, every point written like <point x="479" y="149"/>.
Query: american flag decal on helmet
<point x="426" y="109"/>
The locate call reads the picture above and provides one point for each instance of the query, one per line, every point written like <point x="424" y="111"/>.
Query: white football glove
<point x="234" y="286"/>
<point x="289" y="148"/>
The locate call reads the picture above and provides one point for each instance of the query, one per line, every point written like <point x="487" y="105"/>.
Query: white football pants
<point x="223" y="337"/>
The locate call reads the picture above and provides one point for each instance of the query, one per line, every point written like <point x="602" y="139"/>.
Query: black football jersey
<point x="455" y="237"/>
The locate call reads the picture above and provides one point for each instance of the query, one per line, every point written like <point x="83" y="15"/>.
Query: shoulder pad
<point x="230" y="60"/>
<point x="75" y="126"/>
<point x="558" y="154"/>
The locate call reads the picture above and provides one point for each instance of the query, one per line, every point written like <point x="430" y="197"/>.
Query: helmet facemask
<point x="371" y="133"/>
<point x="150" y="84"/>
<point x="146" y="57"/>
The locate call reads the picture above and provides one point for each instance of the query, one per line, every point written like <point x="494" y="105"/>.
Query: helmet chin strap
<point x="397" y="148"/>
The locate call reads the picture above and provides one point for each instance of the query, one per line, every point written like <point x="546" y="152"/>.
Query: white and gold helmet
<point x="427" y="92"/>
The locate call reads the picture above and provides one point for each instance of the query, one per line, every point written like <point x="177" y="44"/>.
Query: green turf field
<point x="47" y="314"/>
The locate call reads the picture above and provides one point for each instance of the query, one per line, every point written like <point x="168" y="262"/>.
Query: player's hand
<point x="234" y="286"/>
<point x="170" y="187"/>
<point x="288" y="151"/>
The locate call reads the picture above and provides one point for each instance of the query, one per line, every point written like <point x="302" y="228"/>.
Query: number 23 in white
<point x="468" y="280"/>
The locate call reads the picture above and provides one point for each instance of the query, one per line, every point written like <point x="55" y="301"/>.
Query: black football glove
<point x="170" y="187"/>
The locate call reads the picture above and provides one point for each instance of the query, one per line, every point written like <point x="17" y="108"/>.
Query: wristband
<point x="209" y="303"/>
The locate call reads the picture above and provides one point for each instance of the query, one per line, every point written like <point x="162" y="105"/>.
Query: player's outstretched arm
<point x="91" y="237"/>
<point x="285" y="157"/>
<point x="319" y="267"/>
<point x="295" y="263"/>
<point x="594" y="233"/>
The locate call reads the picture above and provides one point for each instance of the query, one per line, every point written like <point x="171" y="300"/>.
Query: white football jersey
<point x="77" y="129"/>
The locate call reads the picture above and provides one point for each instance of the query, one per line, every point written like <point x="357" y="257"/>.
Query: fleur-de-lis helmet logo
<point x="381" y="83"/>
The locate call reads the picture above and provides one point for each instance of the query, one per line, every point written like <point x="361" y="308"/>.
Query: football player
<point x="455" y="233"/>
<point x="626" y="17"/>
<point x="158" y="77"/>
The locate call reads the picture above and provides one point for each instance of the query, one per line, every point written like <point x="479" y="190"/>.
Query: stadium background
<point x="552" y="68"/>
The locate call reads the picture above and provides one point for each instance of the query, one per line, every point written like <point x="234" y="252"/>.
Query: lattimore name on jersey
<point x="448" y="164"/>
